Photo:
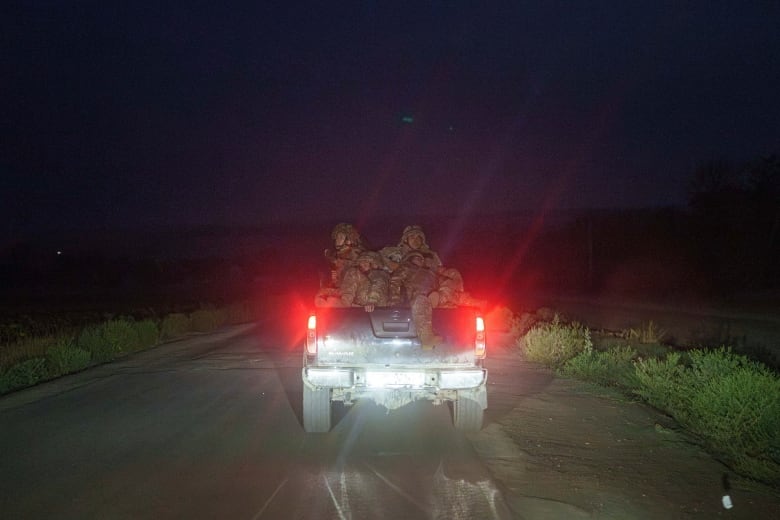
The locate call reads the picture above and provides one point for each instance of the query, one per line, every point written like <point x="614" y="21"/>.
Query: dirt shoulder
<point x="566" y="449"/>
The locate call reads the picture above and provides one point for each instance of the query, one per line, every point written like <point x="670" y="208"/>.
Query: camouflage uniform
<point x="412" y="282"/>
<point x="451" y="291"/>
<point x="408" y="244"/>
<point x="353" y="287"/>
<point x="391" y="257"/>
<point x="450" y="286"/>
<point x="348" y="245"/>
<point x="411" y="279"/>
<point x="366" y="283"/>
<point x="379" y="281"/>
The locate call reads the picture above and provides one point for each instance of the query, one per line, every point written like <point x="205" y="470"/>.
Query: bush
<point x="108" y="340"/>
<point x="239" y="313"/>
<point x="615" y="367"/>
<point x="735" y="406"/>
<point x="606" y="340"/>
<point x="221" y="316"/>
<point x="91" y="340"/>
<point x="649" y="333"/>
<point x="731" y="402"/>
<point x="524" y="323"/>
<point x="659" y="382"/>
<point x="148" y="333"/>
<point x="120" y="336"/>
<point x="554" y="343"/>
<point x="739" y="416"/>
<point x="174" y="325"/>
<point x="65" y="358"/>
<point x="206" y="320"/>
<point x="26" y="373"/>
<point x="31" y="359"/>
<point x="28" y="348"/>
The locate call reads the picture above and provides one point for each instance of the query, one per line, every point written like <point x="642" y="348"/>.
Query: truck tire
<point x="316" y="409"/>
<point x="467" y="415"/>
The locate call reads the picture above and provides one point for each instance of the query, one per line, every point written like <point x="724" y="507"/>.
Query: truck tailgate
<point x="388" y="336"/>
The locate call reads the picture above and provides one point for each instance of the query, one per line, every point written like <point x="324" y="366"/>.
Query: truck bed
<point x="387" y="336"/>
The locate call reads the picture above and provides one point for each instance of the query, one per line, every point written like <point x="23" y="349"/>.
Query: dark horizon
<point x="119" y="116"/>
<point x="665" y="253"/>
<point x="384" y="225"/>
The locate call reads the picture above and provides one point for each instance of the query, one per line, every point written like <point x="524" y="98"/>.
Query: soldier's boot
<point x="429" y="340"/>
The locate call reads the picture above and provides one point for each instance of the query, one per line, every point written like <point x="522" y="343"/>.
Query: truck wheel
<point x="316" y="409"/>
<point x="467" y="415"/>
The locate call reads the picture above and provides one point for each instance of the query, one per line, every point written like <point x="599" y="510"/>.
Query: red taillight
<point x="479" y="342"/>
<point x="311" y="335"/>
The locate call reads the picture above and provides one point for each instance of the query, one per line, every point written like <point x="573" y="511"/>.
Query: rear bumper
<point x="423" y="379"/>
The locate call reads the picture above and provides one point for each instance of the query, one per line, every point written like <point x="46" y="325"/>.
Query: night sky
<point x="134" y="114"/>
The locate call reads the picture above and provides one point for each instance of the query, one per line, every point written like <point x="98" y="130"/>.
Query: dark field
<point x="664" y="256"/>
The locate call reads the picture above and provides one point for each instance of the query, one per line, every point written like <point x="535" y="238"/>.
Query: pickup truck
<point x="352" y="354"/>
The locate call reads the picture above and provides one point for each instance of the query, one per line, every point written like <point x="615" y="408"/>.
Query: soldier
<point x="449" y="285"/>
<point x="365" y="283"/>
<point x="413" y="283"/>
<point x="450" y="290"/>
<point x="379" y="282"/>
<point x="347" y="246"/>
<point x="413" y="239"/>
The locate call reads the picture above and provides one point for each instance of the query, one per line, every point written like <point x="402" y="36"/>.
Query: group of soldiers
<point x="410" y="273"/>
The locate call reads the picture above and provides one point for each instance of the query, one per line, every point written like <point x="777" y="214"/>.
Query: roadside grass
<point x="28" y="348"/>
<point x="28" y="326"/>
<point x="554" y="343"/>
<point x="613" y="367"/>
<point x="647" y="333"/>
<point x="65" y="358"/>
<point x="207" y="319"/>
<point x="727" y="400"/>
<point x="31" y="359"/>
<point x="175" y="325"/>
<point x="114" y="338"/>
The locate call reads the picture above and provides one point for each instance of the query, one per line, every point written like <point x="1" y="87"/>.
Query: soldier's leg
<point x="422" y="314"/>
<point x="448" y="291"/>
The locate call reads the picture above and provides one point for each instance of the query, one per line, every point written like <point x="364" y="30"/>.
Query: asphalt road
<point x="210" y="427"/>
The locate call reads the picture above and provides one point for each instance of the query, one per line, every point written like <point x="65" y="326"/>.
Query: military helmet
<point x="372" y="257"/>
<point x="413" y="229"/>
<point x="392" y="253"/>
<point x="342" y="227"/>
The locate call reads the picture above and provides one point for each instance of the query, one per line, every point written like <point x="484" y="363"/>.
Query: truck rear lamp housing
<point x="480" y="344"/>
<point x="311" y="335"/>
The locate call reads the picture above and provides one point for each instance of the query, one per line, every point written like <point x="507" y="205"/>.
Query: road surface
<point x="210" y="427"/>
